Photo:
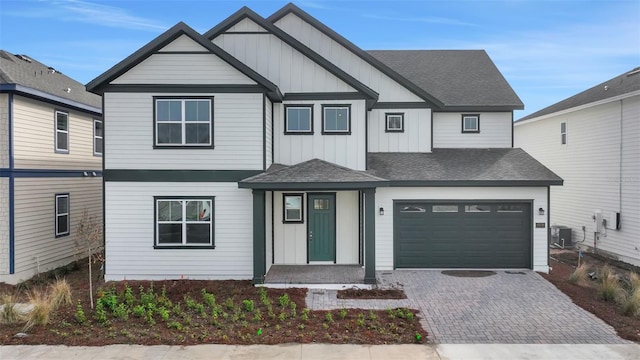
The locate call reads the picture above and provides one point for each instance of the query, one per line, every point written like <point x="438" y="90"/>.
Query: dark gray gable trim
<point x="178" y="175"/>
<point x="291" y="8"/>
<point x="482" y="108"/>
<point x="49" y="98"/>
<point x="402" y="105"/>
<point x="298" y="186"/>
<point x="245" y="12"/>
<point x="472" y="183"/>
<point x="183" y="88"/>
<point x="324" y="96"/>
<point x="166" y="38"/>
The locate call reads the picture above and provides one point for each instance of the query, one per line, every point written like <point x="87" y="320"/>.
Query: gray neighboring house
<point x="592" y="140"/>
<point x="50" y="165"/>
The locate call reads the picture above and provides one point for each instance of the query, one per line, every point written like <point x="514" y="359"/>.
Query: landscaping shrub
<point x="609" y="287"/>
<point x="631" y="304"/>
<point x="60" y="293"/>
<point x="41" y="309"/>
<point x="579" y="275"/>
<point x="9" y="314"/>
<point x="634" y="281"/>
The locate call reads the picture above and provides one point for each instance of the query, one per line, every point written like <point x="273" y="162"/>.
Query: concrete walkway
<point x="325" y="352"/>
<point x="510" y="307"/>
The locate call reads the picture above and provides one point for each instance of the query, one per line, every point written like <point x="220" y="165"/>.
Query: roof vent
<point x="67" y="90"/>
<point x="24" y="57"/>
<point x="52" y="70"/>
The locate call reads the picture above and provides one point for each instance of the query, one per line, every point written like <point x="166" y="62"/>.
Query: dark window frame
<point x="333" y="132"/>
<point x="183" y="123"/>
<point x="563" y="133"/>
<point x="284" y="208"/>
<point x="56" y="131"/>
<point x="95" y="137"/>
<point x="286" y="119"/>
<point x="184" y="245"/>
<point x="386" y="123"/>
<point x="58" y="215"/>
<point x="477" y="130"/>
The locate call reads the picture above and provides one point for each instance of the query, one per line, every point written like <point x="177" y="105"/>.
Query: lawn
<point x="197" y="312"/>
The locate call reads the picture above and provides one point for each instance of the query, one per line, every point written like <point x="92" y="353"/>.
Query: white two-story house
<point x="50" y="165"/>
<point x="270" y="142"/>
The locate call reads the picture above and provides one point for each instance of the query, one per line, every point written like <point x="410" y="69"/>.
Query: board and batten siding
<point x="290" y="239"/>
<point x="129" y="215"/>
<point x="183" y="44"/>
<point x="595" y="175"/>
<point x="389" y="89"/>
<point x="495" y="131"/>
<point x="4" y="227"/>
<point x="416" y="136"/>
<point x="268" y="146"/>
<point x="280" y="63"/>
<point x="345" y="150"/>
<point x="237" y="134"/>
<point x="4" y="130"/>
<point x="386" y="196"/>
<point x="36" y="247"/>
<point x="34" y="137"/>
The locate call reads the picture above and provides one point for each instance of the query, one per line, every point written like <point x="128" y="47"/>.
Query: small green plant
<point x="329" y="317"/>
<point x="294" y="311"/>
<point x="282" y="316"/>
<point x="390" y="313"/>
<point x="409" y="315"/>
<point x="263" y="295"/>
<point x="360" y="320"/>
<point x="164" y="313"/>
<point x="305" y="314"/>
<point x="100" y="312"/>
<point x="174" y="325"/>
<point x="248" y="305"/>
<point x="200" y="309"/>
<point x="372" y="315"/>
<point x="109" y="299"/>
<point x="128" y="297"/>
<point x="122" y="311"/>
<point x="418" y="336"/>
<point x="257" y="316"/>
<point x="191" y="304"/>
<point x="149" y="317"/>
<point x="147" y="297"/>
<point x="139" y="311"/>
<point x="229" y="303"/>
<point x="343" y="313"/>
<point x="579" y="275"/>
<point x="80" y="316"/>
<point x="300" y="326"/>
<point x="284" y="300"/>
<point x="208" y="298"/>
<point x="325" y="326"/>
<point x="631" y="303"/>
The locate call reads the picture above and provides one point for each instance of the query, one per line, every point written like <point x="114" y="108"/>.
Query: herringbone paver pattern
<point x="516" y="308"/>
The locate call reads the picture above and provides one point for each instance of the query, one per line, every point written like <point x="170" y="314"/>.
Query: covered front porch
<point x="296" y="275"/>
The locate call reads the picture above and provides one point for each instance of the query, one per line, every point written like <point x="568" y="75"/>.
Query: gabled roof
<point x="312" y="174"/>
<point x="465" y="80"/>
<point x="164" y="39"/>
<point x="376" y="63"/>
<point x="625" y="83"/>
<point x="24" y="74"/>
<point x="245" y="12"/>
<point x="462" y="167"/>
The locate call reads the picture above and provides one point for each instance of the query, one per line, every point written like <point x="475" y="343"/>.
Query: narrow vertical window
<point x="563" y="133"/>
<point x="292" y="208"/>
<point x="62" y="215"/>
<point x="98" y="142"/>
<point x="62" y="132"/>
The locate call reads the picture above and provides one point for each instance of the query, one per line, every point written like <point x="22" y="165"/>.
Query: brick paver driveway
<point x="508" y="307"/>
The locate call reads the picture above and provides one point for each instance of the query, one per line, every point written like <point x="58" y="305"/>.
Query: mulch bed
<point x="362" y="294"/>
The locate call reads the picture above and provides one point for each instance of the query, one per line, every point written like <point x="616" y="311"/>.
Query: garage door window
<point x="477" y="208"/>
<point x="413" y="209"/>
<point x="510" y="208"/>
<point x="444" y="208"/>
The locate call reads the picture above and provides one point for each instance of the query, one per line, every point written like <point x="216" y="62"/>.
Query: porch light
<point x="541" y="211"/>
<point x="381" y="210"/>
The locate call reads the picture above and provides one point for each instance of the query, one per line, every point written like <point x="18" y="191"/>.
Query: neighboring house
<point x="276" y="141"/>
<point x="592" y="140"/>
<point x="50" y="165"/>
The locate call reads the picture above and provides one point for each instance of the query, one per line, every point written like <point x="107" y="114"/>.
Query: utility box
<point x="564" y="233"/>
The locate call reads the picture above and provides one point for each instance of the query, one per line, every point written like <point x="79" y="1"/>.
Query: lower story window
<point x="184" y="222"/>
<point x="62" y="215"/>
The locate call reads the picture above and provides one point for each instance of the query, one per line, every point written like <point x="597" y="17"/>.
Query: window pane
<point x="198" y="210"/>
<point x="197" y="133"/>
<point x="293" y="202"/>
<point x="169" y="210"/>
<point x="293" y="215"/>
<point x="170" y="234"/>
<point x="198" y="234"/>
<point x="564" y="138"/>
<point x="336" y="119"/>
<point x="63" y="225"/>
<point x="97" y="128"/>
<point x="62" y="121"/>
<point x="321" y="204"/>
<point x="394" y="122"/>
<point x="98" y="146"/>
<point x="63" y="205"/>
<point x="510" y="208"/>
<point x="413" y="208"/>
<point x="470" y="123"/>
<point x="196" y="110"/>
<point x="477" y="208"/>
<point x="298" y="119"/>
<point x="62" y="141"/>
<point x="444" y="208"/>
<point x="169" y="134"/>
<point x="169" y="110"/>
<point x="563" y="127"/>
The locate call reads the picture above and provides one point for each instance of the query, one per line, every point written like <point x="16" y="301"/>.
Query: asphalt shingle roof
<point x="464" y="165"/>
<point x="619" y="85"/>
<point x="458" y="78"/>
<point x="36" y="75"/>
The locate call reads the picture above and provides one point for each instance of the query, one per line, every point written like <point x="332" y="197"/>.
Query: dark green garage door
<point x="462" y="235"/>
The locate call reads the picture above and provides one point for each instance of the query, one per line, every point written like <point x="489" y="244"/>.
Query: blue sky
<point x="547" y="50"/>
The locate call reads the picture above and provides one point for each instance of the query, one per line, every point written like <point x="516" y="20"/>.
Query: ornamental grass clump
<point x="609" y="287"/>
<point x="631" y="303"/>
<point x="634" y="281"/>
<point x="579" y="275"/>
<point x="41" y="307"/>
<point x="10" y="313"/>
<point x="60" y="293"/>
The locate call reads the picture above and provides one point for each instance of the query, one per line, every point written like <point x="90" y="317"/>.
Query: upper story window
<point x="336" y="119"/>
<point x="98" y="142"/>
<point x="298" y="119"/>
<point x="62" y="132"/>
<point x="184" y="222"/>
<point x="394" y="122"/>
<point x="470" y="123"/>
<point x="62" y="215"/>
<point x="563" y="133"/>
<point x="183" y="122"/>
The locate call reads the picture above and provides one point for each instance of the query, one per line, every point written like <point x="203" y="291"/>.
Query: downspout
<point x="620" y="164"/>
<point x="12" y="217"/>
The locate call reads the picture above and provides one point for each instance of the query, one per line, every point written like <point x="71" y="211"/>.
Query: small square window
<point x="470" y="123"/>
<point x="299" y="120"/>
<point x="293" y="205"/>
<point x="394" y="122"/>
<point x="563" y="133"/>
<point x="62" y="132"/>
<point x="336" y="119"/>
<point x="63" y="221"/>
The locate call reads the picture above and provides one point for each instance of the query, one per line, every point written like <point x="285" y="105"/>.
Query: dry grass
<point x="60" y="293"/>
<point x="606" y="271"/>
<point x="631" y="303"/>
<point x="609" y="287"/>
<point x="634" y="281"/>
<point x="42" y="307"/>
<point x="579" y="275"/>
<point x="9" y="314"/>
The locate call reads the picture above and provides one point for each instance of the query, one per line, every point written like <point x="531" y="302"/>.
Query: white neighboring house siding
<point x="495" y="130"/>
<point x="268" y="112"/>
<point x="290" y="239"/>
<point x="4" y="130"/>
<point x="130" y="222"/>
<point x="389" y="89"/>
<point x="595" y="177"/>
<point x="416" y="136"/>
<point x="4" y="226"/>
<point x="386" y="196"/>
<point x="344" y="150"/>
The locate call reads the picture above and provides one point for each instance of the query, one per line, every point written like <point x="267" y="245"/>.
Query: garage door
<point x="462" y="234"/>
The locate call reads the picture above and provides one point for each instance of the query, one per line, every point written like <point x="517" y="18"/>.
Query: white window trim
<point x="388" y="116"/>
<point x="95" y="137"/>
<point x="58" y="215"/>
<point x="286" y="119"/>
<point x="324" y="119"/>
<point x="183" y="122"/>
<point x="184" y="222"/>
<point x="563" y="134"/>
<point x="477" y="122"/>
<point x="66" y="132"/>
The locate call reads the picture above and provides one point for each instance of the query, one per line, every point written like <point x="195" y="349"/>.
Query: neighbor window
<point x="563" y="133"/>
<point x="97" y="137"/>
<point x="62" y="132"/>
<point x="184" y="222"/>
<point x="394" y="122"/>
<point x="299" y="119"/>
<point x="183" y="122"/>
<point x="470" y="123"/>
<point x="336" y="119"/>
<point x="293" y="208"/>
<point x="62" y="215"/>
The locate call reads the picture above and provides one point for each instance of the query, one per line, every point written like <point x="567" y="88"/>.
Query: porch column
<point x="259" y="266"/>
<point x="370" y="236"/>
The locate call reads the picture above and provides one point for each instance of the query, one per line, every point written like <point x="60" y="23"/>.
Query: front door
<point x="321" y="229"/>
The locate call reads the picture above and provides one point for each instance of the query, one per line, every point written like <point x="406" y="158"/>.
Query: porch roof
<point x="312" y="174"/>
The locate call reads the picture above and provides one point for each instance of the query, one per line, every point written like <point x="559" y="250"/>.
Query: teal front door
<point x="321" y="229"/>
